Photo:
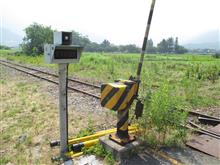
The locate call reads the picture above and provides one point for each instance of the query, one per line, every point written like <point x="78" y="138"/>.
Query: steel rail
<point x="202" y="132"/>
<point x="202" y="129"/>
<point x="208" y="120"/>
<point x="52" y="81"/>
<point x="51" y="74"/>
<point x="85" y="83"/>
<point x="202" y="115"/>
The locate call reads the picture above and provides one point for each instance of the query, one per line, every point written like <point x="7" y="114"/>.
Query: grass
<point x="29" y="120"/>
<point x="201" y="71"/>
<point x="162" y="118"/>
<point x="24" y="124"/>
<point x="193" y="79"/>
<point x="99" y="151"/>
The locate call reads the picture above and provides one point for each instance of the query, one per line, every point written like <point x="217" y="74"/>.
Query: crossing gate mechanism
<point x="119" y="96"/>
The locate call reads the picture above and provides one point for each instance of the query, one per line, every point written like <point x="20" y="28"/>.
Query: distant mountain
<point x="10" y="38"/>
<point x="205" y="45"/>
<point x="208" y="40"/>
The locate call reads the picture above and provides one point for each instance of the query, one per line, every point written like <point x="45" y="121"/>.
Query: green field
<point x="193" y="78"/>
<point x="169" y="83"/>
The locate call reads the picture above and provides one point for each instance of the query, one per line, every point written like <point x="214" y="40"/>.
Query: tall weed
<point x="162" y="117"/>
<point x="203" y="72"/>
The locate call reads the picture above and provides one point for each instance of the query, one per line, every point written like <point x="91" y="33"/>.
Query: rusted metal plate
<point x="216" y="129"/>
<point x="205" y="144"/>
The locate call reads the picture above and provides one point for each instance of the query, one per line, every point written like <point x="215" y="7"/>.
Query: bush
<point x="162" y="118"/>
<point x="202" y="72"/>
<point x="216" y="55"/>
<point x="4" y="47"/>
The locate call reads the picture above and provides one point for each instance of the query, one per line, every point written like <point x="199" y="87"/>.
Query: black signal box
<point x="62" y="38"/>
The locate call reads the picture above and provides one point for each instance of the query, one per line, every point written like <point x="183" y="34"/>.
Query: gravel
<point x="81" y="104"/>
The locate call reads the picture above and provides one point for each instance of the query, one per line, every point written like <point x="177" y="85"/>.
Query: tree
<point x="176" y="44"/>
<point x="150" y="46"/>
<point x="105" y="45"/>
<point x="78" y="39"/>
<point x="4" y="47"/>
<point x="181" y="50"/>
<point x="36" y="36"/>
<point x="170" y="45"/>
<point x="162" y="47"/>
<point x="129" y="48"/>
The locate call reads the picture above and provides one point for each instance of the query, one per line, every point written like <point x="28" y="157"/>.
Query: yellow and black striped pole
<point x="145" y="39"/>
<point x="139" y="104"/>
<point x="122" y="136"/>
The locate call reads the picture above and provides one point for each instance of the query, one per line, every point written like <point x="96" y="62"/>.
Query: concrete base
<point x="120" y="153"/>
<point x="68" y="162"/>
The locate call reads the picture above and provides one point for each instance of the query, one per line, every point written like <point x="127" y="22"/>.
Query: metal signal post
<point x="62" y="52"/>
<point x="63" y="108"/>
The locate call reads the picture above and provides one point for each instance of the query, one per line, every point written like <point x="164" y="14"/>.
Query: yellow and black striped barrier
<point x="118" y="96"/>
<point x="77" y="147"/>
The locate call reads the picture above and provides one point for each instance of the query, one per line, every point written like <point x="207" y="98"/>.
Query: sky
<point x="119" y="21"/>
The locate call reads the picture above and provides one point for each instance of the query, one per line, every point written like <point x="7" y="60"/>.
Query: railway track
<point x="207" y="133"/>
<point x="36" y="73"/>
<point x="73" y="84"/>
<point x="198" y="114"/>
<point x="197" y="120"/>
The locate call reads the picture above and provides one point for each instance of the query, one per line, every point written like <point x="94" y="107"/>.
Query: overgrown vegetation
<point x="99" y="151"/>
<point x="203" y="72"/>
<point x="4" y="47"/>
<point x="162" y="118"/>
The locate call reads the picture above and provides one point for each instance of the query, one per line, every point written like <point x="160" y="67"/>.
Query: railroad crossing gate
<point x="119" y="96"/>
<point x="62" y="52"/>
